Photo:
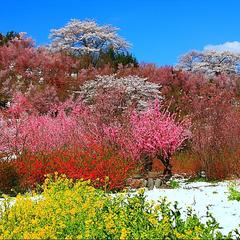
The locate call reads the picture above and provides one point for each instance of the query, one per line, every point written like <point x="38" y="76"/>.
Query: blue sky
<point x="160" y="30"/>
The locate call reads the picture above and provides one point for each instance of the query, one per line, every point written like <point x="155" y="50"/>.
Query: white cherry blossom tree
<point x="136" y="90"/>
<point x="86" y="37"/>
<point x="210" y="63"/>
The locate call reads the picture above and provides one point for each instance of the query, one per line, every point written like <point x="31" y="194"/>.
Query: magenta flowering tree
<point x="24" y="128"/>
<point x="157" y="133"/>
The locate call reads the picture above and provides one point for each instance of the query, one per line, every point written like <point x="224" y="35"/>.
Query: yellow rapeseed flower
<point x="72" y="211"/>
<point x="124" y="234"/>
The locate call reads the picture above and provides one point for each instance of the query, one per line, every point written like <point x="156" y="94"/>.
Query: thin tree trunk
<point x="148" y="164"/>
<point x="168" y="167"/>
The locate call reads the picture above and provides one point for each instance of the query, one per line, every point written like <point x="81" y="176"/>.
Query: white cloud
<point x="227" y="46"/>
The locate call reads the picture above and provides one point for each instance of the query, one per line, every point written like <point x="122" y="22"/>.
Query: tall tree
<point x="86" y="37"/>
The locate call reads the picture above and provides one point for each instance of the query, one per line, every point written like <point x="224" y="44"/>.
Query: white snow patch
<point x="198" y="196"/>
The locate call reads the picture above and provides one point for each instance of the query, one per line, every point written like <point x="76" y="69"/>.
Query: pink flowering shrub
<point x="153" y="133"/>
<point x="26" y="131"/>
<point x="158" y="133"/>
<point x="23" y="129"/>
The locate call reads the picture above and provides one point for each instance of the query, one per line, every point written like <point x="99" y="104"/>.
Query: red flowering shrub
<point x="93" y="161"/>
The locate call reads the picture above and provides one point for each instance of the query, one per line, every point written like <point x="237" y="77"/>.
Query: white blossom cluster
<point x="84" y="37"/>
<point x="136" y="89"/>
<point x="210" y="63"/>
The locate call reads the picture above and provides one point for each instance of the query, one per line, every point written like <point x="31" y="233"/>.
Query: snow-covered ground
<point x="198" y="196"/>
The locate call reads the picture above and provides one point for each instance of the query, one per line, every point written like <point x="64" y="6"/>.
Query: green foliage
<point x="116" y="59"/>
<point x="4" y="39"/>
<point x="234" y="193"/>
<point x="174" y="183"/>
<point x="76" y="210"/>
<point x="202" y="179"/>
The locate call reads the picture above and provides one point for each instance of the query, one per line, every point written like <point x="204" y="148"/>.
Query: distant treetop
<point x="86" y="37"/>
<point x="210" y="63"/>
<point x="4" y="39"/>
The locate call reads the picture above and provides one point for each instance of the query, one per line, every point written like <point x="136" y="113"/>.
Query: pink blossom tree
<point x="156" y="133"/>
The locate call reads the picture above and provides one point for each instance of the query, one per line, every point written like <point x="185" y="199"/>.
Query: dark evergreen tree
<point x="4" y="39"/>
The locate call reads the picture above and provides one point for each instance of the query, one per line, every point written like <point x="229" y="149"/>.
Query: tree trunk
<point x="168" y="167"/>
<point x="148" y="164"/>
<point x="168" y="170"/>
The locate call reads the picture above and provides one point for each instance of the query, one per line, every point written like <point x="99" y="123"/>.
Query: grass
<point x="234" y="192"/>
<point x="174" y="184"/>
<point x="201" y="179"/>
